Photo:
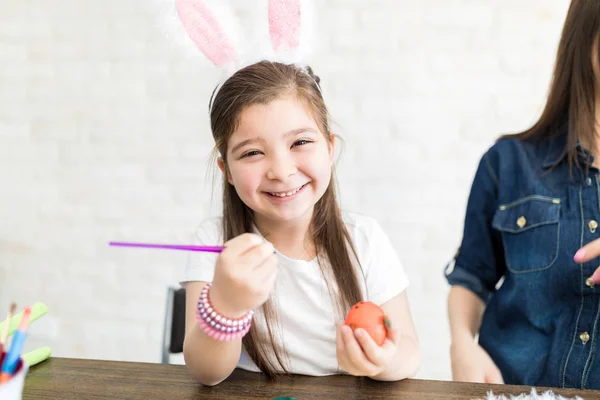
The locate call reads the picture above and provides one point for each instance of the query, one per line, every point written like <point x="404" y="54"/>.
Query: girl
<point x="534" y="202"/>
<point x="290" y="254"/>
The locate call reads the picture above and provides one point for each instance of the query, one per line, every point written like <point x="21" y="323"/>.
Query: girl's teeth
<point x="286" y="194"/>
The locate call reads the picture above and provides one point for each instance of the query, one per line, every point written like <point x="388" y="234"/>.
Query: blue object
<point x="12" y="358"/>
<point x="526" y="217"/>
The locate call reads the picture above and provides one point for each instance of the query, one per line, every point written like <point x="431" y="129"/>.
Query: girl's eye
<point x="251" y="153"/>
<point x="301" y="143"/>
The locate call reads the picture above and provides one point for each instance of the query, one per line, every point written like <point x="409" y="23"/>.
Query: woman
<point x="534" y="203"/>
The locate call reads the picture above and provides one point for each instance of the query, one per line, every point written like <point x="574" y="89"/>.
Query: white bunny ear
<point x="203" y="27"/>
<point x="208" y="25"/>
<point x="291" y="27"/>
<point x="284" y="23"/>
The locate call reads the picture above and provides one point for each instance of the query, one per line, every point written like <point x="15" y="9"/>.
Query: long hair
<point x="262" y="83"/>
<point x="572" y="94"/>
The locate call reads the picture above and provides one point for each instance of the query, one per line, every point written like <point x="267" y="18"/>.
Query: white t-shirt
<point x="305" y="310"/>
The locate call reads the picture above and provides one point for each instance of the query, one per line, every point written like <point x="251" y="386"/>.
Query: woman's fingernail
<point x="360" y="332"/>
<point x="579" y="255"/>
<point x="596" y="277"/>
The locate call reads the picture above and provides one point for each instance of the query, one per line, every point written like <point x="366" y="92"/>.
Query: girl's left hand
<point x="359" y="355"/>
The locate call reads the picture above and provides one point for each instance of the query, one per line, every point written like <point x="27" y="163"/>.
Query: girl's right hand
<point x="244" y="275"/>
<point x="471" y="363"/>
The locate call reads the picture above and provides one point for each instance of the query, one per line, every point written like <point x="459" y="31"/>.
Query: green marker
<point x="37" y="356"/>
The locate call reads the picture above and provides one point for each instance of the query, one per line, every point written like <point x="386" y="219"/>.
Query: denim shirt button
<point x="593" y="225"/>
<point x="584" y="337"/>
<point x="588" y="181"/>
<point x="589" y="282"/>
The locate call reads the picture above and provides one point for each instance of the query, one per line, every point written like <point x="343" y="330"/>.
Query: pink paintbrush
<point x="209" y="249"/>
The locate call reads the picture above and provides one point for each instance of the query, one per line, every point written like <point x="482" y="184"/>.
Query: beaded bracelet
<point x="218" y="326"/>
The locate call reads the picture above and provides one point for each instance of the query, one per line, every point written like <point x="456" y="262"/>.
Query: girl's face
<point x="279" y="161"/>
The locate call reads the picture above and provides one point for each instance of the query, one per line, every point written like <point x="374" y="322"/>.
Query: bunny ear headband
<point x="212" y="28"/>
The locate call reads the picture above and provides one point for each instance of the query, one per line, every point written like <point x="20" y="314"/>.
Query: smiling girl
<point x="293" y="263"/>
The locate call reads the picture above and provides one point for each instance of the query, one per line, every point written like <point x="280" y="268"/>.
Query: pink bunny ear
<point x="284" y="23"/>
<point x="205" y="31"/>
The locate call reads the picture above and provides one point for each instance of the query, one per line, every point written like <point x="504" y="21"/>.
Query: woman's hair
<point x="571" y="98"/>
<point x="262" y="83"/>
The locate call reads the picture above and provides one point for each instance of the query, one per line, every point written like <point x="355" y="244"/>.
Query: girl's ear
<point x="332" y="145"/>
<point x="224" y="169"/>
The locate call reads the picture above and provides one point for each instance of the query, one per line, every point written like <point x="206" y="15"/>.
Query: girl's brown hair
<point x="572" y="95"/>
<point x="262" y="83"/>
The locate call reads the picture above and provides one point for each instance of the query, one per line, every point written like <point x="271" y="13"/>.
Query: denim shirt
<point x="527" y="215"/>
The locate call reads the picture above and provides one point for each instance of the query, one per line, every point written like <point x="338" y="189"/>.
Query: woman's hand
<point x="471" y="363"/>
<point x="587" y="253"/>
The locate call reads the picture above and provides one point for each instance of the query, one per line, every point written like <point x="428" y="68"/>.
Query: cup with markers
<point x="14" y="365"/>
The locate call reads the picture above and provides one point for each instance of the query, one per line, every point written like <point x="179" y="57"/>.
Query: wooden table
<point x="63" y="378"/>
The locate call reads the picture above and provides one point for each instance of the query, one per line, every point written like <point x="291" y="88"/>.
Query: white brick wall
<point x="104" y="136"/>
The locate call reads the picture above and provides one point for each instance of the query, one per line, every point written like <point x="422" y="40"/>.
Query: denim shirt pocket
<point x="530" y="231"/>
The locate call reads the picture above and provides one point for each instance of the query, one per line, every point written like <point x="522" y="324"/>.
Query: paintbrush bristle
<point x="25" y="319"/>
<point x="4" y="333"/>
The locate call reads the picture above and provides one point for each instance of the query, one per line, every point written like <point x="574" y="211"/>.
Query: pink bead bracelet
<point x="218" y="326"/>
